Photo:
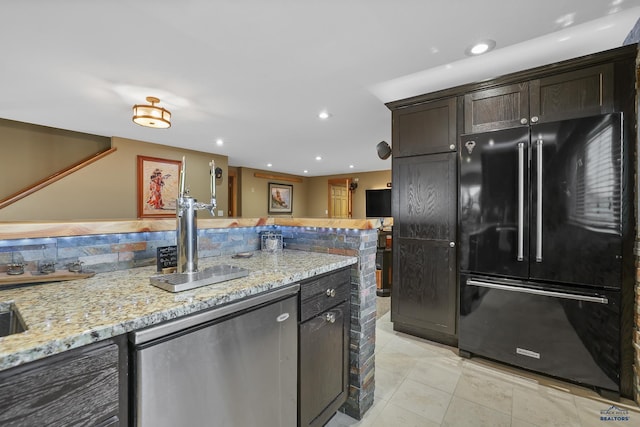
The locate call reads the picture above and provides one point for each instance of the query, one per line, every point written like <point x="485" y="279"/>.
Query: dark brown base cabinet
<point x="323" y="347"/>
<point x="85" y="386"/>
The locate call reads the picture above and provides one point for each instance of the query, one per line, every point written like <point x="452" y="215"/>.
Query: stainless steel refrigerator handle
<point x="539" y="202"/>
<point x="520" y="201"/>
<point x="599" y="300"/>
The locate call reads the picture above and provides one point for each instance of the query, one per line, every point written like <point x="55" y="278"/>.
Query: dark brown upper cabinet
<point x="425" y="128"/>
<point x="580" y="93"/>
<point x="496" y="108"/>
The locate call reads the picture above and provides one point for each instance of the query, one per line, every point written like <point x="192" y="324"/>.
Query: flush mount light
<point x="152" y="116"/>
<point x="318" y="158"/>
<point x="324" y="115"/>
<point x="480" y="47"/>
<point x="219" y="142"/>
<point x="269" y="165"/>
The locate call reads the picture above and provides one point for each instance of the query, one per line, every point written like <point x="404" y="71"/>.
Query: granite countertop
<point x="65" y="315"/>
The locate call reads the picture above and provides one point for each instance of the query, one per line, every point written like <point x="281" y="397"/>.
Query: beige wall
<point x="31" y="153"/>
<point x="310" y="197"/>
<point x="107" y="189"/>
<point x="254" y="193"/>
<point x="318" y="191"/>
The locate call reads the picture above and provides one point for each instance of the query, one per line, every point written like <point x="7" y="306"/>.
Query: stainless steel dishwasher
<point x="230" y="366"/>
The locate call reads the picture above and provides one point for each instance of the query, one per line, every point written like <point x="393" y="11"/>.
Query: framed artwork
<point x="158" y="181"/>
<point x="280" y="198"/>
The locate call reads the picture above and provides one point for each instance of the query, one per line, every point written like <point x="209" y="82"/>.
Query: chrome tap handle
<point x="213" y="207"/>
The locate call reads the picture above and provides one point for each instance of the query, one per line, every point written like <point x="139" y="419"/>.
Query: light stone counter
<point x="65" y="315"/>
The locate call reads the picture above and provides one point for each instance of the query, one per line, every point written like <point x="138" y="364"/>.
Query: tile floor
<point x="421" y="383"/>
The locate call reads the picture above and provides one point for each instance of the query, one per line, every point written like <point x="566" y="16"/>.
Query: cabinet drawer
<point x="324" y="292"/>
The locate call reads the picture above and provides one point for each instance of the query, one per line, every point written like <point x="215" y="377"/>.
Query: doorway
<point x="340" y="200"/>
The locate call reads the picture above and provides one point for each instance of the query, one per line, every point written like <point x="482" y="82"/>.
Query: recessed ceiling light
<point x="351" y="166"/>
<point x="324" y="115"/>
<point x="306" y="171"/>
<point x="566" y="20"/>
<point x="480" y="47"/>
<point x="318" y="158"/>
<point x="219" y="142"/>
<point x="269" y="165"/>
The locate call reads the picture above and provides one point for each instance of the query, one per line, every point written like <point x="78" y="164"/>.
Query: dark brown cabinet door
<point x="324" y="365"/>
<point x="425" y="128"/>
<point x="424" y="294"/>
<point x="497" y="108"/>
<point x="581" y="93"/>
<point x="80" y="387"/>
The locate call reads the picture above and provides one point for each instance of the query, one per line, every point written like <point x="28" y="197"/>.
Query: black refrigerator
<point x="540" y="247"/>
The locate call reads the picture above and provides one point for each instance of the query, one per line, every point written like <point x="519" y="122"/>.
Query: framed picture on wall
<point x="280" y="198"/>
<point x="158" y="181"/>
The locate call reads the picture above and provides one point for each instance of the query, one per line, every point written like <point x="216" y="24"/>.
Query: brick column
<point x="361" y="244"/>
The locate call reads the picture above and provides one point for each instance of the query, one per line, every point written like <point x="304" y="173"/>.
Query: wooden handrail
<point x="53" y="178"/>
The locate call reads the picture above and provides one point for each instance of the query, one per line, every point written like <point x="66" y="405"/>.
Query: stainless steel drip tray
<point x="178" y="282"/>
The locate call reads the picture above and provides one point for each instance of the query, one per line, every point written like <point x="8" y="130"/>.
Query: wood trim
<point x="232" y="209"/>
<point x="53" y="178"/>
<point x="277" y="177"/>
<point x="33" y="230"/>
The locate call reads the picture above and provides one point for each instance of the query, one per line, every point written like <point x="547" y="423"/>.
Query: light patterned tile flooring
<point x="421" y="383"/>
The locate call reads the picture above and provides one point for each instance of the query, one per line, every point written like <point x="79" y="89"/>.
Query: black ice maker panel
<point x="563" y="332"/>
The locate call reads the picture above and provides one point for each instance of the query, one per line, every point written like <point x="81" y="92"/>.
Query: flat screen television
<point x="378" y="203"/>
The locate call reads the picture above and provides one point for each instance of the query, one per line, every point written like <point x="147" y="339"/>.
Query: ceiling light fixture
<point x="219" y="142"/>
<point x="318" y="158"/>
<point x="480" y="47"/>
<point x="152" y="116"/>
<point x="324" y="115"/>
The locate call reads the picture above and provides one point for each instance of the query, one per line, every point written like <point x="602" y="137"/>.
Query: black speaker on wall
<point x="384" y="150"/>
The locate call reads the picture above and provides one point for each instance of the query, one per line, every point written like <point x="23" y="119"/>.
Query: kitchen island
<point x="121" y="250"/>
<point x="65" y="315"/>
<point x="92" y="375"/>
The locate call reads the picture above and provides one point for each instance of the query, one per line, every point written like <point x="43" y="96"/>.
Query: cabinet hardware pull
<point x="331" y="293"/>
<point x="330" y="317"/>
<point x="534" y="119"/>
<point x="539" y="207"/>
<point x="523" y="121"/>
<point x="452" y="147"/>
<point x="520" y="255"/>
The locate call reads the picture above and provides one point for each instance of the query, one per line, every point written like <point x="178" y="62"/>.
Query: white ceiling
<point x="256" y="73"/>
